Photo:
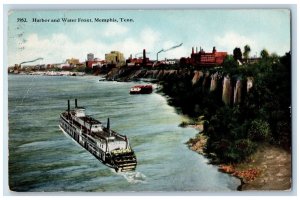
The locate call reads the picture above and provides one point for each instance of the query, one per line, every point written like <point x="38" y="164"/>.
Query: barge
<point x="141" y="89"/>
<point x="108" y="146"/>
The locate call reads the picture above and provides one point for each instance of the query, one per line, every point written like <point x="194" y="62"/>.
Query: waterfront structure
<point x="139" y="61"/>
<point x="202" y="58"/>
<point x="115" y="57"/>
<point x="95" y="62"/>
<point x="73" y="61"/>
<point x="64" y="65"/>
<point x="208" y="58"/>
<point x="90" y="57"/>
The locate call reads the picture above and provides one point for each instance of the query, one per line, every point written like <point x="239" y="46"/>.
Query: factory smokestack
<point x="192" y="50"/>
<point x="75" y="103"/>
<point x="214" y="50"/>
<point x="144" y="56"/>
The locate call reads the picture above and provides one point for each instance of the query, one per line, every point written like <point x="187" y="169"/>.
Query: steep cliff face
<point x="226" y="95"/>
<point x="197" y="76"/>
<point x="214" y="81"/>
<point x="237" y="92"/>
<point x="231" y="88"/>
<point x="128" y="74"/>
<point x="249" y="83"/>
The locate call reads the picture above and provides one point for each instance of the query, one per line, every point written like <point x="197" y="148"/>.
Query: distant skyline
<point x="152" y="30"/>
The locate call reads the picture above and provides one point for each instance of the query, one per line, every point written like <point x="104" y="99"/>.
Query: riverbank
<point x="269" y="168"/>
<point x="273" y="165"/>
<point x="50" y="73"/>
<point x="238" y="127"/>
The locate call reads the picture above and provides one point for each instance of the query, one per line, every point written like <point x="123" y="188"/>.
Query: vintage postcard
<point x="185" y="100"/>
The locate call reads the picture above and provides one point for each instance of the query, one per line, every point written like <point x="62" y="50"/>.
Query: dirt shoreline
<point x="274" y="167"/>
<point x="269" y="169"/>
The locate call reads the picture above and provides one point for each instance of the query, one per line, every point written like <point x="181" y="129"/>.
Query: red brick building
<point x="95" y="62"/>
<point x="144" y="61"/>
<point x="203" y="58"/>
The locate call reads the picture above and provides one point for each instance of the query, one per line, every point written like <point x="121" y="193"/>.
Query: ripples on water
<point x="42" y="158"/>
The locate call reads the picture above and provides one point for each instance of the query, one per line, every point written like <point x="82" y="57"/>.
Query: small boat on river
<point x="141" y="89"/>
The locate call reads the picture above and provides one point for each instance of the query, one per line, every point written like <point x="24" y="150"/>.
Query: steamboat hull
<point x="99" y="143"/>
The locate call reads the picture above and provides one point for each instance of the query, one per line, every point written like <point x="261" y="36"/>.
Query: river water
<point x="42" y="158"/>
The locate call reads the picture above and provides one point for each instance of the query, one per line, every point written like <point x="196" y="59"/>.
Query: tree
<point x="237" y="54"/>
<point x="264" y="54"/>
<point x="229" y="62"/>
<point x="247" y="50"/>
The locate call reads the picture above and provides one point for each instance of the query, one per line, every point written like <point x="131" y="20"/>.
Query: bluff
<point x="240" y="107"/>
<point x="179" y="83"/>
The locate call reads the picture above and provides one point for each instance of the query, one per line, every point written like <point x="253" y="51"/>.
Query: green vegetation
<point x="246" y="52"/>
<point x="237" y="54"/>
<point x="259" y="130"/>
<point x="234" y="131"/>
<point x="264" y="54"/>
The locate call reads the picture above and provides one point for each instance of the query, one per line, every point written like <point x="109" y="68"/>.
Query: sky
<point x="152" y="30"/>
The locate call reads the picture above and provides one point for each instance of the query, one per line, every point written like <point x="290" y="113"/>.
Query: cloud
<point x="58" y="47"/>
<point x="115" y="30"/>
<point x="54" y="49"/>
<point x="230" y="40"/>
<point x="257" y="43"/>
<point x="150" y="39"/>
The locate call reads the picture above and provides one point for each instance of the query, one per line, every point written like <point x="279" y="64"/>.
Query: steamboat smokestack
<point x="75" y="103"/>
<point x="108" y="124"/>
<point x="68" y="106"/>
